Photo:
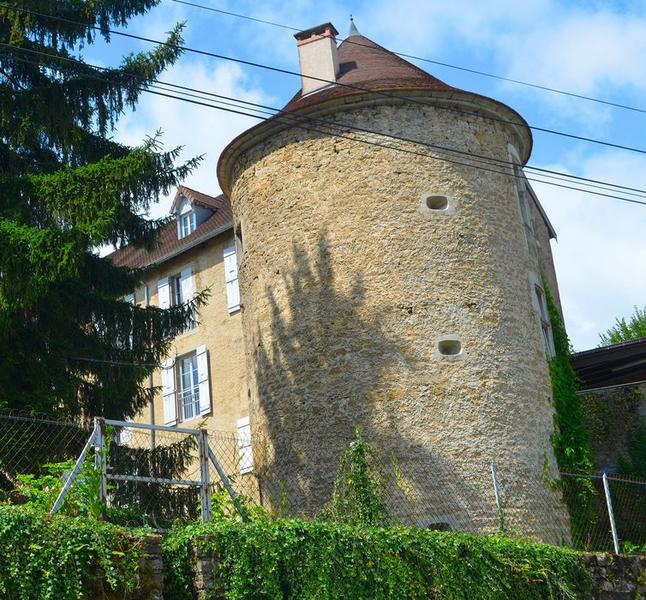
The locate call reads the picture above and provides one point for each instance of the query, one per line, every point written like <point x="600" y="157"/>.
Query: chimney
<point x="318" y="57"/>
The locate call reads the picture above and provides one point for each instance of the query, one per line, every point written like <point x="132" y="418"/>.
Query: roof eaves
<point x="196" y="242"/>
<point x="541" y="210"/>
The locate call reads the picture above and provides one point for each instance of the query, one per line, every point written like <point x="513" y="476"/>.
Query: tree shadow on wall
<point x="327" y="365"/>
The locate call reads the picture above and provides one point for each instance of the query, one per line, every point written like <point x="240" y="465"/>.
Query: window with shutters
<point x="245" y="451"/>
<point x="231" y="278"/>
<point x="189" y="387"/>
<point x="179" y="289"/>
<point x="186" y="387"/>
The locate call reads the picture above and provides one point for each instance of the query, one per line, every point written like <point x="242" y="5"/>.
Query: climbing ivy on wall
<point x="291" y="559"/>
<point x="570" y="439"/>
<point x="64" y="558"/>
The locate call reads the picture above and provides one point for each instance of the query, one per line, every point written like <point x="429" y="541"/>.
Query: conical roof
<point x="366" y="65"/>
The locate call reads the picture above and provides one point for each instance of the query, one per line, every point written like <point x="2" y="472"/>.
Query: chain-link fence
<point x="156" y="476"/>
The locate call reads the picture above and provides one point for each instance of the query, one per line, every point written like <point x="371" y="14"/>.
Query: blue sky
<point x="590" y="48"/>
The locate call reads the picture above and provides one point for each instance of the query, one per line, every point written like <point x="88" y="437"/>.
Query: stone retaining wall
<point x="617" y="577"/>
<point x="614" y="577"/>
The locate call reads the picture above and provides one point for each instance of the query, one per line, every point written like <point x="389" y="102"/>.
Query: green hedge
<point x="64" y="558"/>
<point x="286" y="559"/>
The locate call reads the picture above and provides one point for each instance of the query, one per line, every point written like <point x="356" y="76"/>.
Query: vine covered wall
<point x="66" y="558"/>
<point x="616" y="428"/>
<point x="570" y="439"/>
<point x="289" y="559"/>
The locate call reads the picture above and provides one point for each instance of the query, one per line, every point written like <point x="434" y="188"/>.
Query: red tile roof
<point x="168" y="245"/>
<point x="369" y="66"/>
<point x="365" y="67"/>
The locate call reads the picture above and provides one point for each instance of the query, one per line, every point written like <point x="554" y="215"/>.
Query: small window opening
<point x="450" y="347"/>
<point x="437" y="202"/>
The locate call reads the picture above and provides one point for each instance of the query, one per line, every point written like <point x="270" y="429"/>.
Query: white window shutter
<point x="168" y="392"/>
<point x="244" y="445"/>
<point x="187" y="283"/>
<point x="163" y="292"/>
<point x="202" y="355"/>
<point x="231" y="278"/>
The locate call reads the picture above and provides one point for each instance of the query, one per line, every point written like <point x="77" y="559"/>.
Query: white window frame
<point x="188" y="396"/>
<point x="186" y="224"/>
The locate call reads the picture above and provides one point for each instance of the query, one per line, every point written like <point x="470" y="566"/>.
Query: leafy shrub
<point x="40" y="491"/>
<point x="358" y="496"/>
<point x="291" y="559"/>
<point x="64" y="558"/>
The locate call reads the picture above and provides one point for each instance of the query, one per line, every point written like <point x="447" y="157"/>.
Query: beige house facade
<point x="202" y="380"/>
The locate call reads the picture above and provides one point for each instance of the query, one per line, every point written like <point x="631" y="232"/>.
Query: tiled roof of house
<point x="168" y="245"/>
<point x="369" y="66"/>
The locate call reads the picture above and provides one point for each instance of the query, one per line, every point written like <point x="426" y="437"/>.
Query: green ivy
<point x="570" y="439"/>
<point x="64" y="558"/>
<point x="293" y="559"/>
<point x="358" y="496"/>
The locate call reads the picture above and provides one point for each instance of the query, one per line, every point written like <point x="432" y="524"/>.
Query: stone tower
<point x="393" y="285"/>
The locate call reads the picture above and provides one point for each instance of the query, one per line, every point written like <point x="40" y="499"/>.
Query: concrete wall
<point x="348" y="284"/>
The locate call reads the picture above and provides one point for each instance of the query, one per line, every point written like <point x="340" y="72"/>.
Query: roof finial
<point x="353" y="27"/>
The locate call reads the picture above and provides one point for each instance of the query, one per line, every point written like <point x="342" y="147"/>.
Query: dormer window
<point x="187" y="224"/>
<point x="191" y="209"/>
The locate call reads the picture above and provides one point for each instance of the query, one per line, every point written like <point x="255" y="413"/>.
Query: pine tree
<point x="69" y="343"/>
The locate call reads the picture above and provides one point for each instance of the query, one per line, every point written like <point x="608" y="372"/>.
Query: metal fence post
<point x="496" y="491"/>
<point x="101" y="463"/>
<point x="75" y="471"/>
<point x="611" y="514"/>
<point x="205" y="497"/>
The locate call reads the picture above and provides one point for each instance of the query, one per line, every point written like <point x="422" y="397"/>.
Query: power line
<point x="118" y="363"/>
<point x="263" y="109"/>
<point x="368" y="142"/>
<point x="427" y="60"/>
<point x="386" y="146"/>
<point x="345" y="85"/>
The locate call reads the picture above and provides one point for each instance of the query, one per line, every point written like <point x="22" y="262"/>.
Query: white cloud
<point x="586" y="52"/>
<point x="601" y="251"/>
<point x="201" y="130"/>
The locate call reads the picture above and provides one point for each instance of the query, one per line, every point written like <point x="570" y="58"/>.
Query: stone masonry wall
<point x="347" y="284"/>
<point x="613" y="577"/>
<point x="617" y="577"/>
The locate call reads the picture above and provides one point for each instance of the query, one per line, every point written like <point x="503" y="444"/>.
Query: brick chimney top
<point x="314" y="33"/>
